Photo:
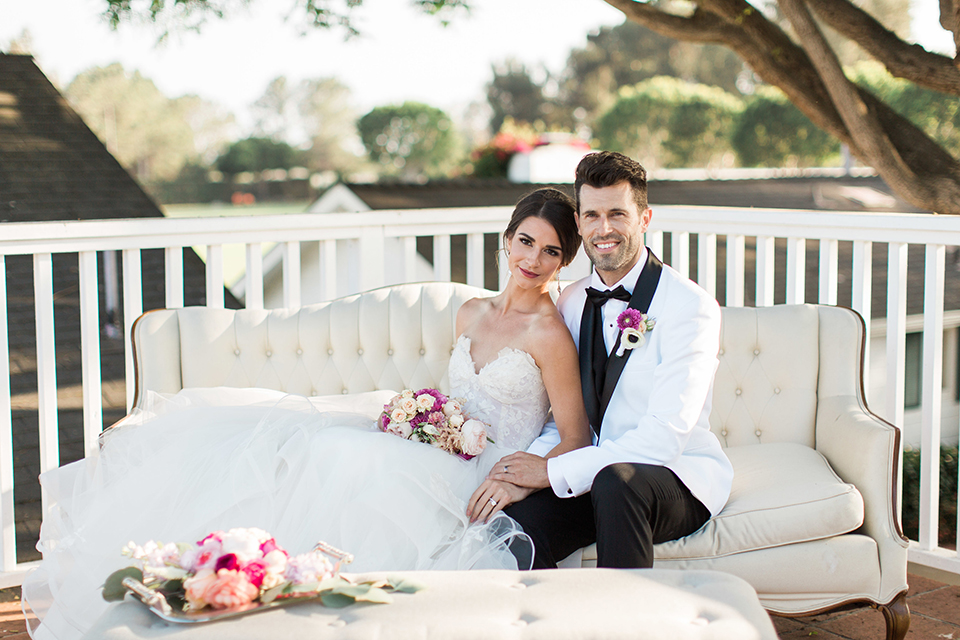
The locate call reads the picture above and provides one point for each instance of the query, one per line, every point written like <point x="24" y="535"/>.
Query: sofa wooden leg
<point x="897" y="615"/>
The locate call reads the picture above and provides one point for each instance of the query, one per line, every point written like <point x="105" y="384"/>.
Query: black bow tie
<point x="600" y="298"/>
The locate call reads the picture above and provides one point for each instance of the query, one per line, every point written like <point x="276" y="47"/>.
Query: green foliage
<point x="948" y="495"/>
<point x="147" y="132"/>
<point x="628" y="54"/>
<point x="113" y="589"/>
<point x="937" y="114"/>
<point x="412" y="140"/>
<point x="666" y="122"/>
<point x="514" y="94"/>
<point x="256" y="155"/>
<point x="772" y="132"/>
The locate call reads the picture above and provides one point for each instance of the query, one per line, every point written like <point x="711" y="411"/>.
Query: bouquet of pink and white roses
<point x="430" y="417"/>
<point x="236" y="568"/>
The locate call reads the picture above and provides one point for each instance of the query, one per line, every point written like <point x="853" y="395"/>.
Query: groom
<point x="655" y="472"/>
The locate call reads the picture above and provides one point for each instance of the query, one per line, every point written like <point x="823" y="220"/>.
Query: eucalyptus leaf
<point x="403" y="585"/>
<point x="113" y="589"/>
<point x="374" y="595"/>
<point x="336" y="600"/>
<point x="271" y="594"/>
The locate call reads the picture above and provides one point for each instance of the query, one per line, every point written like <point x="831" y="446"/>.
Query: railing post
<point x="132" y="308"/>
<point x="707" y="262"/>
<point x="654" y="240"/>
<point x="441" y="258"/>
<point x="829" y="265"/>
<point x="475" y="259"/>
<point x="8" y="527"/>
<point x="291" y="274"/>
<point x="46" y="366"/>
<point x="371" y="257"/>
<point x="173" y="274"/>
<point x="862" y="294"/>
<point x="328" y="269"/>
<point x="931" y="390"/>
<point x="90" y="352"/>
<point x="214" y="276"/>
<point x="796" y="270"/>
<point x="896" y="330"/>
<point x="765" y="271"/>
<point x="735" y="270"/>
<point x="680" y="252"/>
<point x="253" y="280"/>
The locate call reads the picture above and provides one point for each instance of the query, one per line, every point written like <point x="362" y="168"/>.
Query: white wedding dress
<point x="303" y="470"/>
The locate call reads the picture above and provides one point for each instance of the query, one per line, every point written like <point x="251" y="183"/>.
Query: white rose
<point x="473" y="437"/>
<point x="451" y="407"/>
<point x="409" y="405"/>
<point x="402" y="429"/>
<point x="456" y="420"/>
<point x="406" y="393"/>
<point x="425" y="401"/>
<point x="398" y="415"/>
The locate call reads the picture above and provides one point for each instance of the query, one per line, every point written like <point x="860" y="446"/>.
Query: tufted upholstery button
<point x="570" y="491"/>
<point x="757" y="433"/>
<point x="359" y="352"/>
<point x="738" y="391"/>
<point x="269" y="353"/>
<point x="756" y="352"/>
<point x="389" y="352"/>
<point x="313" y="392"/>
<point x="724" y="433"/>
<point x="299" y="352"/>
<point x="345" y="391"/>
<point x="777" y="390"/>
<point x="720" y="352"/>
<point x="236" y="352"/>
<point x="423" y="352"/>
<point x="330" y="352"/>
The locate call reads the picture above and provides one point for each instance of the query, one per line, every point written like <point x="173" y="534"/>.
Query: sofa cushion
<point x="782" y="493"/>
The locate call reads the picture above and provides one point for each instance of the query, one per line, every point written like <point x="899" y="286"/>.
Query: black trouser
<point x="630" y="508"/>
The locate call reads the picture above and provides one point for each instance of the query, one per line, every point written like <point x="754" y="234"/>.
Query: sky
<point x="401" y="54"/>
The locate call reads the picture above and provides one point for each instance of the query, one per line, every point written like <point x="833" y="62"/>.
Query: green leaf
<point x="113" y="590"/>
<point x="336" y="600"/>
<point x="374" y="595"/>
<point x="271" y="594"/>
<point x="403" y="585"/>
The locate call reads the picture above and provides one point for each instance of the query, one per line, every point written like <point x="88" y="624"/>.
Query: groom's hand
<point x="522" y="469"/>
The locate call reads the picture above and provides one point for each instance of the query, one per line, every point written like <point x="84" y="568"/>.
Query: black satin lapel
<point x="640" y="300"/>
<point x="590" y="395"/>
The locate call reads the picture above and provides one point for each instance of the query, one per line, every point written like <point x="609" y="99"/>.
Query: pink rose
<point x="473" y="437"/>
<point x="230" y="589"/>
<point x="402" y="429"/>
<point x="256" y="571"/>
<point x="409" y="405"/>
<point x="451" y="407"/>
<point x="196" y="586"/>
<point x="456" y="420"/>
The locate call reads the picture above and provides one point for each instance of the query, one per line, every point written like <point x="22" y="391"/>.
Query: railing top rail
<point x="145" y="233"/>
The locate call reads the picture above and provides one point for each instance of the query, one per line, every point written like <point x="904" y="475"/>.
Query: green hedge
<point x="948" y="494"/>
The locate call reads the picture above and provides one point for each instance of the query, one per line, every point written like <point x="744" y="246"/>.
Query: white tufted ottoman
<point x="584" y="603"/>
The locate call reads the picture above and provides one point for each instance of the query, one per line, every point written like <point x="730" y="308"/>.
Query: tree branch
<point x="861" y="119"/>
<point x="909" y="61"/>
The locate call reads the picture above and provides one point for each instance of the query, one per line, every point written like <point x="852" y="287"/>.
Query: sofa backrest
<point x="774" y="362"/>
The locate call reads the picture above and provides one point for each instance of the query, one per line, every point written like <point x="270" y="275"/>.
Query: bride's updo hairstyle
<point x="555" y="207"/>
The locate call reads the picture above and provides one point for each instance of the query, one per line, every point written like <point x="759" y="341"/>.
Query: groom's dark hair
<point x="609" y="168"/>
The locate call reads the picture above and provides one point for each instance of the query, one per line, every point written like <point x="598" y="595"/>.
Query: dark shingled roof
<point x="53" y="167"/>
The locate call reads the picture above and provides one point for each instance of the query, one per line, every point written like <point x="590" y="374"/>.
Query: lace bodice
<point x="507" y="393"/>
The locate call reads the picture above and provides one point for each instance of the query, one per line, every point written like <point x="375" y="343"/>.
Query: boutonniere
<point x="633" y="325"/>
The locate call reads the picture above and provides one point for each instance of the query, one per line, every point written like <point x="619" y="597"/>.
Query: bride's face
<point x="534" y="253"/>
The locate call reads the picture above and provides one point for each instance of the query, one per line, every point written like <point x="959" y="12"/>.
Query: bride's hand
<point x="493" y="496"/>
<point x="521" y="469"/>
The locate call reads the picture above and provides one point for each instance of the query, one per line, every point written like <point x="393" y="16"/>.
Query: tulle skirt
<point x="303" y="470"/>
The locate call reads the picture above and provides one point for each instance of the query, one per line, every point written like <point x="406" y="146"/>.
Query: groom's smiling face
<point x="612" y="227"/>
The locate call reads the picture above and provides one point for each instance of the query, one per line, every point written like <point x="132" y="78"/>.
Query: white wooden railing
<point x="673" y="229"/>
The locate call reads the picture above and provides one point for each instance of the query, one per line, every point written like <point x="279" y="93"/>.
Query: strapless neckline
<point x="465" y="341"/>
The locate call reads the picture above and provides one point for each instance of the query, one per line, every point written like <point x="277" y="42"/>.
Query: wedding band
<point x="492" y="502"/>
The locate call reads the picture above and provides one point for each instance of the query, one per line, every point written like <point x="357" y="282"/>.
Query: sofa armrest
<point x="864" y="450"/>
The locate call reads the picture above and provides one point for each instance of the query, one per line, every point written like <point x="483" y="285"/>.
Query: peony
<point x="473" y="438"/>
<point x="425" y="402"/>
<point x="196" y="586"/>
<point x="402" y="429"/>
<point x="456" y="420"/>
<point x="203" y="556"/>
<point x="256" y="571"/>
<point x="398" y="415"/>
<point x="230" y="588"/>
<point x="307" y="568"/>
<point x="409" y="405"/>
<point x="451" y="408"/>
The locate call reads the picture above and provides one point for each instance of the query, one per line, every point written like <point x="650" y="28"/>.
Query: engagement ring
<point x="492" y="502"/>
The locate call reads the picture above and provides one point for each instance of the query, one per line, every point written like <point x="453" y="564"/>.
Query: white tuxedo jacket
<point x="659" y="411"/>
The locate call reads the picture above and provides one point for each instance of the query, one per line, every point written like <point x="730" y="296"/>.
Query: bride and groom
<point x="627" y="459"/>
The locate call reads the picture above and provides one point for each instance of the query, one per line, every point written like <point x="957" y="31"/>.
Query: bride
<point x="186" y="466"/>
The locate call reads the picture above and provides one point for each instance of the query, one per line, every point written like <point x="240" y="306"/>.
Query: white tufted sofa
<point x="811" y="523"/>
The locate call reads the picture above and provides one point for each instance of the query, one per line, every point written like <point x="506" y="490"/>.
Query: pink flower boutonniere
<point x="633" y="325"/>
